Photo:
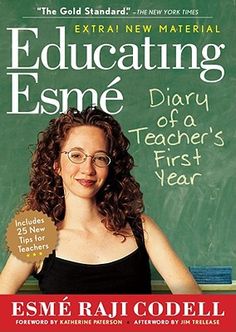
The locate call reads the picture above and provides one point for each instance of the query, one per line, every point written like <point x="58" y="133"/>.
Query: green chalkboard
<point x="179" y="115"/>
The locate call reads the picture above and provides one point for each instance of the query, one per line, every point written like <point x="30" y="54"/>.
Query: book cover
<point x="166" y="72"/>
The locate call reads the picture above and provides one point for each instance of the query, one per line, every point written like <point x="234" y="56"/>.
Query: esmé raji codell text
<point x="116" y="309"/>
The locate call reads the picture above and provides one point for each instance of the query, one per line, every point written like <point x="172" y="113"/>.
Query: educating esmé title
<point x="25" y="66"/>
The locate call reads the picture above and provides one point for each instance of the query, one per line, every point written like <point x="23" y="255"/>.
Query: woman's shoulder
<point x="148" y="222"/>
<point x="151" y="228"/>
<point x="146" y="219"/>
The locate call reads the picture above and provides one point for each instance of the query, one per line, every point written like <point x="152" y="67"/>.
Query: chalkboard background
<point x="199" y="219"/>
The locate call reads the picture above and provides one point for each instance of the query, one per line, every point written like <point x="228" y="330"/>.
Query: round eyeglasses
<point x="100" y="159"/>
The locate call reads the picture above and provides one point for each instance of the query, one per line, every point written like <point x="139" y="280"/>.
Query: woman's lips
<point x="86" y="183"/>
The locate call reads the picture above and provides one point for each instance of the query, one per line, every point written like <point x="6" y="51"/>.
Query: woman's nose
<point x="87" y="167"/>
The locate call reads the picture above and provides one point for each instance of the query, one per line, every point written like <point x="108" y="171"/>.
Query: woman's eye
<point x="101" y="158"/>
<point x="77" y="155"/>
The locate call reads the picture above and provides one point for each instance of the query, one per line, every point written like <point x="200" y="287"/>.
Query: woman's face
<point x="83" y="180"/>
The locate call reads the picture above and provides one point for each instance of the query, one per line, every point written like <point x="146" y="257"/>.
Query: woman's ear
<point x="57" y="168"/>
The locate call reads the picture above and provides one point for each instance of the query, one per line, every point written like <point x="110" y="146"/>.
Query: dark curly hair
<point x="119" y="200"/>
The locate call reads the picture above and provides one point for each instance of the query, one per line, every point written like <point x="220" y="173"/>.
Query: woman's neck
<point x="80" y="213"/>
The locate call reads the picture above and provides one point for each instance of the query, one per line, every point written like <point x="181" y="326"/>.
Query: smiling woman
<point x="79" y="170"/>
<point x="81" y="178"/>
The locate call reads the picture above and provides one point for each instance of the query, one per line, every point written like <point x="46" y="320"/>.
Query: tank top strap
<point x="137" y="229"/>
<point x="47" y="264"/>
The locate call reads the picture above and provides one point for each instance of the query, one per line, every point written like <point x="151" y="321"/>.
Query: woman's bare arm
<point x="166" y="261"/>
<point x="14" y="275"/>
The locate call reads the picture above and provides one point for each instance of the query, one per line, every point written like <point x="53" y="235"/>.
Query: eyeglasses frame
<point x="85" y="158"/>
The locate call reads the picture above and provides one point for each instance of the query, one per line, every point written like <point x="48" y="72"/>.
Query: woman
<point x="81" y="179"/>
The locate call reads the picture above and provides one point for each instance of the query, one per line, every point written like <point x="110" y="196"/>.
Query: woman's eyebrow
<point x="81" y="149"/>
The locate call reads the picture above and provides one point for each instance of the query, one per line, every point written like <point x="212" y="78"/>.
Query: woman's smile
<point x="86" y="183"/>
